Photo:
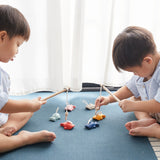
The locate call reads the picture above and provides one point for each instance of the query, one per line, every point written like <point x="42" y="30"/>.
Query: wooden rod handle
<point x="64" y="90"/>
<point x="107" y="90"/>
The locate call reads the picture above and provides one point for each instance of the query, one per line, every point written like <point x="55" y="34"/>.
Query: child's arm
<point x="14" y="106"/>
<point x="141" y="106"/>
<point x="122" y="93"/>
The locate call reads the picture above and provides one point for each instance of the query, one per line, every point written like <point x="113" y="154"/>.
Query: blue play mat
<point x="110" y="141"/>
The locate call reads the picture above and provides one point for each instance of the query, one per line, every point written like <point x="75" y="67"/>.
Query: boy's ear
<point x="3" y="35"/>
<point x="148" y="59"/>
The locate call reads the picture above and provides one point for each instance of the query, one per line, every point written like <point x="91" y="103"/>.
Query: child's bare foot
<point x="152" y="130"/>
<point x="8" y="131"/>
<point x="139" y="123"/>
<point x="36" y="137"/>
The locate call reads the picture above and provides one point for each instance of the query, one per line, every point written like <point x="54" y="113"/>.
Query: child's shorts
<point x="3" y="118"/>
<point x="155" y="116"/>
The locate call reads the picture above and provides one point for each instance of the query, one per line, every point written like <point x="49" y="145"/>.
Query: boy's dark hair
<point x="131" y="46"/>
<point x="13" y="22"/>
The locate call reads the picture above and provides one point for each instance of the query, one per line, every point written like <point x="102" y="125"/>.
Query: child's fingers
<point x="122" y="106"/>
<point x="39" y="98"/>
<point x="97" y="103"/>
<point x="97" y="108"/>
<point x="43" y="102"/>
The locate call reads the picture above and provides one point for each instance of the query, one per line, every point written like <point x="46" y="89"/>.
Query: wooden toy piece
<point x="91" y="125"/>
<point x="70" y="107"/>
<point x="64" y="90"/>
<point x="89" y="106"/>
<point x="99" y="116"/>
<point x="67" y="125"/>
<point x="55" y="116"/>
<point x="66" y="115"/>
<point x="107" y="90"/>
<point x="89" y="120"/>
<point x="67" y="97"/>
<point x="96" y="110"/>
<point x="100" y="94"/>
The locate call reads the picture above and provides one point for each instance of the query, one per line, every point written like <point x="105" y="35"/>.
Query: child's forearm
<point x="122" y="93"/>
<point x="147" y="106"/>
<point x="13" y="106"/>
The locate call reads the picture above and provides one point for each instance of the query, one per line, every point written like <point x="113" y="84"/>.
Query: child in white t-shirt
<point x="14" y="114"/>
<point x="134" y="50"/>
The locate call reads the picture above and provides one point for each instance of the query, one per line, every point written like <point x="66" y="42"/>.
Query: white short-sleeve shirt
<point x="4" y="90"/>
<point x="146" y="90"/>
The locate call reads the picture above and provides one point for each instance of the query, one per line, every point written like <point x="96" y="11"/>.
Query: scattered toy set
<point x="68" y="125"/>
<point x="69" y="107"/>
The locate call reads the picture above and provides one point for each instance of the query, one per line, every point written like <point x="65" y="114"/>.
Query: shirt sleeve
<point x="157" y="97"/>
<point x="4" y="85"/>
<point x="157" y="83"/>
<point x="131" y="85"/>
<point x="3" y="99"/>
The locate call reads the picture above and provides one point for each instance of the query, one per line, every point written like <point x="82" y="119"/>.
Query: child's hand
<point x="127" y="105"/>
<point x="37" y="103"/>
<point x="101" y="101"/>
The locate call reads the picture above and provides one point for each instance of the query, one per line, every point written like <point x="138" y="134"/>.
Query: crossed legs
<point x="144" y="126"/>
<point x="14" y="123"/>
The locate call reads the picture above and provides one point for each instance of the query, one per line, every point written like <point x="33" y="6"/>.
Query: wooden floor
<point x="155" y="143"/>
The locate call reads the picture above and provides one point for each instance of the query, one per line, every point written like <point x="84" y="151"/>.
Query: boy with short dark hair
<point x="14" y="114"/>
<point x="134" y="50"/>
